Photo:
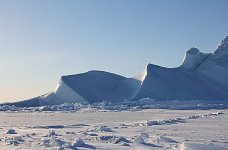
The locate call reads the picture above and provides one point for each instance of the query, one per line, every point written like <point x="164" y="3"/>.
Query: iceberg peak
<point x="193" y="51"/>
<point x="191" y="59"/>
<point x="222" y="48"/>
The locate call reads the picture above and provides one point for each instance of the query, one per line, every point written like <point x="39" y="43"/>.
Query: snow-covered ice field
<point x="91" y="128"/>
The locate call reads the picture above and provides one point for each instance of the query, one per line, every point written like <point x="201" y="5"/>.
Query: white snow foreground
<point x="200" y="77"/>
<point x="125" y="130"/>
<point x="195" y="146"/>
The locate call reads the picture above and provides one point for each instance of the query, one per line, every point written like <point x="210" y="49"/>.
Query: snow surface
<point x="194" y="146"/>
<point x="86" y="129"/>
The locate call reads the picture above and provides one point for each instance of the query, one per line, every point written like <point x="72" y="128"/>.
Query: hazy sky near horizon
<point x="44" y="39"/>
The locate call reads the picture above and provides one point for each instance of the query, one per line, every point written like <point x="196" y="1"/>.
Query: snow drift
<point x="201" y="76"/>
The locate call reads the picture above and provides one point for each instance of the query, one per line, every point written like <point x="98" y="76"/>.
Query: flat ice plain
<point x="91" y="128"/>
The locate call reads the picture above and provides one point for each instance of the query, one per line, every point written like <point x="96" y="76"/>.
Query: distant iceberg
<point x="201" y="76"/>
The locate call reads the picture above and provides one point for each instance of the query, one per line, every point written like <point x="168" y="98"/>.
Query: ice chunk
<point x="45" y="142"/>
<point x="166" y="140"/>
<point x="106" y="138"/>
<point x="51" y="133"/>
<point x="17" y="138"/>
<point x="139" y="140"/>
<point x="121" y="140"/>
<point x="103" y="129"/>
<point x="78" y="143"/>
<point x="56" y="142"/>
<point x="144" y="135"/>
<point x="11" y="131"/>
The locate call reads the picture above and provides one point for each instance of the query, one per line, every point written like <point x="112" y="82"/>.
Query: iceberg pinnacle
<point x="193" y="59"/>
<point x="222" y="48"/>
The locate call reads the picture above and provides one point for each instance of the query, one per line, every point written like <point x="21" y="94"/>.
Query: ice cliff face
<point x="215" y="68"/>
<point x="96" y="86"/>
<point x="201" y="76"/>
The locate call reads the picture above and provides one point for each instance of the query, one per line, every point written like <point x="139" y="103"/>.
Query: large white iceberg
<point x="201" y="76"/>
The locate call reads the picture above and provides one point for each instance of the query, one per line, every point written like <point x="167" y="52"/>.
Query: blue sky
<point x="41" y="40"/>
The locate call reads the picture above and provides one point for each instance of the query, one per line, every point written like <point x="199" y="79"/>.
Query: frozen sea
<point x="91" y="128"/>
